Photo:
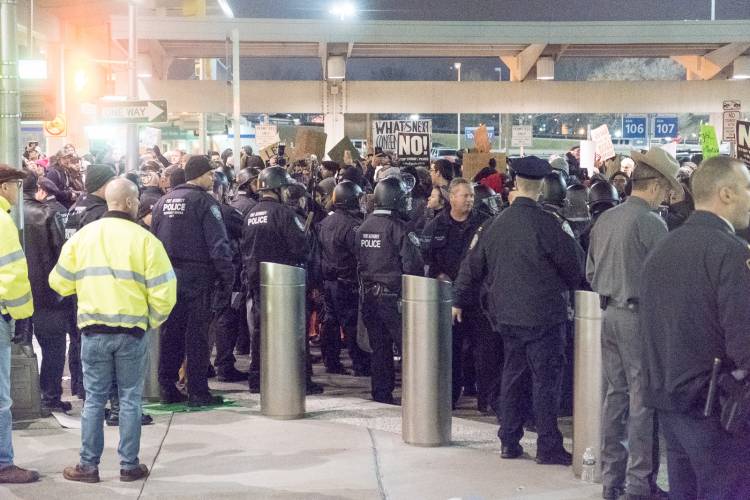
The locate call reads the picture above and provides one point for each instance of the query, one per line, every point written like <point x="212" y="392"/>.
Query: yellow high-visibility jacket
<point x="120" y="272"/>
<point x="15" y="289"/>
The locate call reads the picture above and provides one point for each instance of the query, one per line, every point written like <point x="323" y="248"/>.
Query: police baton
<point x="708" y="410"/>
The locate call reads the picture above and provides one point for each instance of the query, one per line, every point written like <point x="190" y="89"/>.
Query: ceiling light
<point x="343" y="11"/>
<point x="226" y="8"/>
<point x="741" y="68"/>
<point x="545" y="68"/>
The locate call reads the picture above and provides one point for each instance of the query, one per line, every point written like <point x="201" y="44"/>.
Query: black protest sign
<point x="743" y="141"/>
<point x="337" y="152"/>
<point x="413" y="149"/>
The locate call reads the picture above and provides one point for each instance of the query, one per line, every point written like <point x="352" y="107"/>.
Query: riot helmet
<point x="273" y="178"/>
<point x="602" y="196"/>
<point x="554" y="190"/>
<point x="576" y="210"/>
<point x="221" y="186"/>
<point x="392" y="194"/>
<point x="246" y="175"/>
<point x="346" y="195"/>
<point x="486" y="201"/>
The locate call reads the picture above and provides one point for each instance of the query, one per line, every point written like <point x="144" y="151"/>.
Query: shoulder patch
<point x="216" y="211"/>
<point x="414" y="239"/>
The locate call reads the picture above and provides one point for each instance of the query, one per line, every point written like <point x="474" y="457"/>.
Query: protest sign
<point x="385" y="132"/>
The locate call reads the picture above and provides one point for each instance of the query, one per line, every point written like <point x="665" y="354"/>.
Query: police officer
<point x="189" y="223"/>
<point x="385" y="251"/>
<point x="527" y="299"/>
<point x="445" y="240"/>
<point x="271" y="233"/>
<point x="695" y="307"/>
<point x="619" y="243"/>
<point x="245" y="198"/>
<point x="602" y="197"/>
<point x="339" y="267"/>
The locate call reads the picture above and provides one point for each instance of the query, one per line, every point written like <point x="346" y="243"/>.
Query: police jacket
<point x="15" y="290"/>
<point x="44" y="236"/>
<point x="62" y="181"/>
<point x="527" y="262"/>
<point x="188" y="222"/>
<point x="271" y="233"/>
<point x="150" y="195"/>
<point x="694" y="307"/>
<point x="337" y="235"/>
<point x="88" y="209"/>
<point x="121" y="275"/>
<point x="386" y="250"/>
<point x="445" y="242"/>
<point x="243" y="202"/>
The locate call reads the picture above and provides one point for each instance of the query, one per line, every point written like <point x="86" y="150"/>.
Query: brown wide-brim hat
<point x="662" y="162"/>
<point x="8" y="173"/>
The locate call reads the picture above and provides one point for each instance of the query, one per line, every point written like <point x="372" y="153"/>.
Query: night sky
<point x="501" y="10"/>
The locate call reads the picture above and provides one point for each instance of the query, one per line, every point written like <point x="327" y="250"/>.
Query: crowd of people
<point x="515" y="241"/>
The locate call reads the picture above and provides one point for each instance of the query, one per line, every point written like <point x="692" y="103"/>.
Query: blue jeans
<point x="103" y="355"/>
<point x="6" y="420"/>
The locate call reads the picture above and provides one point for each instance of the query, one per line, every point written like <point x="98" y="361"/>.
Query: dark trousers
<point x="488" y="359"/>
<point x="341" y="310"/>
<point x="50" y="326"/>
<point x="74" y="349"/>
<point x="382" y="319"/>
<point x="185" y="334"/>
<point x="231" y="324"/>
<point x="704" y="461"/>
<point x="253" y="315"/>
<point x="539" y="351"/>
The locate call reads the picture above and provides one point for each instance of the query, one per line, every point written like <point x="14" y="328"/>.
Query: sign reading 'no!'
<point x="413" y="149"/>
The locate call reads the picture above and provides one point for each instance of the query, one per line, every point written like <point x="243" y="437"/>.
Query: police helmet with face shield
<point x="486" y="201"/>
<point x="346" y="196"/>
<point x="393" y="194"/>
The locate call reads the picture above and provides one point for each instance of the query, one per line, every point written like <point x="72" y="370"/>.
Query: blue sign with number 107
<point x="634" y="127"/>
<point x="665" y="126"/>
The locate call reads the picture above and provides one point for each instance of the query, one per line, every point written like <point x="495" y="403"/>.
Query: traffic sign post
<point x="133" y="112"/>
<point x="634" y="127"/>
<point x="665" y="126"/>
<point x="732" y="113"/>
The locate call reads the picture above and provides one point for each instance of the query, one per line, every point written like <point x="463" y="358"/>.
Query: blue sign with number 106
<point x="665" y="126"/>
<point x="634" y="127"/>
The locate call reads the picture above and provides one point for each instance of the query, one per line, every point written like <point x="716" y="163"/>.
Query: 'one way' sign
<point x="133" y="111"/>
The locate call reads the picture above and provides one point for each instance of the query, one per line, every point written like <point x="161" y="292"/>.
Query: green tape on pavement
<point x="165" y="409"/>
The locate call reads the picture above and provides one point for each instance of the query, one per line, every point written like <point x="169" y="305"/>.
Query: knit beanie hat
<point x="97" y="176"/>
<point x="196" y="166"/>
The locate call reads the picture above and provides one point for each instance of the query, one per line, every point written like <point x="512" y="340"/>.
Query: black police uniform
<point x="336" y="234"/>
<point x="150" y="195"/>
<point x="444" y="245"/>
<point x="230" y="323"/>
<point x="189" y="223"/>
<point x="694" y="307"/>
<point x="385" y="251"/>
<point x="243" y="201"/>
<point x="271" y="233"/>
<point x="528" y="303"/>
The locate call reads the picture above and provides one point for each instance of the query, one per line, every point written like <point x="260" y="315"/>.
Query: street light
<point x="343" y="10"/>
<point x="457" y="67"/>
<point x="414" y="117"/>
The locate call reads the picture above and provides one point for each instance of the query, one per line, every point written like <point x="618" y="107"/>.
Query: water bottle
<point x="588" y="471"/>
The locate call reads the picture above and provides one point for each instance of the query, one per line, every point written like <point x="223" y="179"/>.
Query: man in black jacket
<point x="189" y="223"/>
<point x="695" y="307"/>
<point x="43" y="239"/>
<point x="528" y="264"/>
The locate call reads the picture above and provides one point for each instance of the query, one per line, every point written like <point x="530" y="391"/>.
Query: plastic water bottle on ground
<point x="588" y="471"/>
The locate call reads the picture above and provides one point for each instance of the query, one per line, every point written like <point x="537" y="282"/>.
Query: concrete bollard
<point x="426" y="369"/>
<point x="151" y="381"/>
<point x="587" y="380"/>
<point x="282" y="344"/>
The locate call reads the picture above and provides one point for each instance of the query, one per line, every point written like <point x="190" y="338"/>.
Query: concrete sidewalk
<point x="346" y="448"/>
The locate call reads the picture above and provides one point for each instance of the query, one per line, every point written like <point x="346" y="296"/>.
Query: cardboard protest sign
<point x="603" y="140"/>
<point x="709" y="142"/>
<point x="482" y="139"/>
<point x="413" y="149"/>
<point x="474" y="162"/>
<point x="265" y="135"/>
<point x="385" y="132"/>
<point x="337" y="152"/>
<point x="743" y="141"/>
<point x="269" y="151"/>
<point x="309" y="142"/>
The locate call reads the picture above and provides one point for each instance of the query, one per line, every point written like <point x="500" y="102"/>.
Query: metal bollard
<point x="426" y="370"/>
<point x="151" y="382"/>
<point x="587" y="380"/>
<point x="282" y="344"/>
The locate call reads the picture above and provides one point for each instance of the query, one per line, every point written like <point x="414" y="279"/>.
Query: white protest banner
<point x="385" y="132"/>
<point x="413" y="150"/>
<point x="670" y="148"/>
<point x="603" y="140"/>
<point x="588" y="156"/>
<point x="265" y="135"/>
<point x="521" y="136"/>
